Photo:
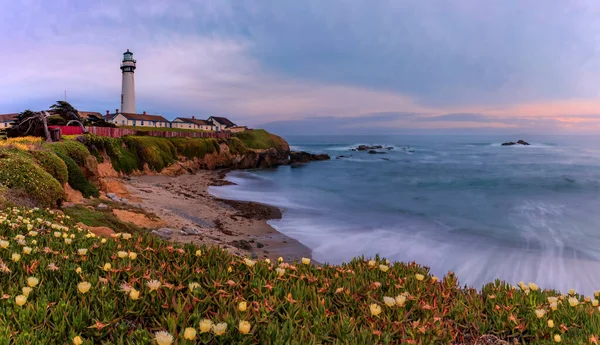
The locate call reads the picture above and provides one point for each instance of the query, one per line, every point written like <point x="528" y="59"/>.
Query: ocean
<point x="454" y="203"/>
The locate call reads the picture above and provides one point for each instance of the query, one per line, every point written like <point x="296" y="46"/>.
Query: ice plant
<point x="557" y="338"/>
<point x="375" y="309"/>
<point x="134" y="294"/>
<point x="27" y="250"/>
<point x="77" y="340"/>
<point x="371" y="263"/>
<point x="122" y="255"/>
<point x="21" y="300"/>
<point x="4" y="244"/>
<point x="244" y="327"/>
<point x="68" y="241"/>
<point x="26" y="290"/>
<point x="205" y="325"/>
<point x="153" y="284"/>
<point x="126" y="236"/>
<point x="107" y="266"/>
<point x="550" y="323"/>
<point x="242" y="306"/>
<point x="573" y="302"/>
<point x="219" y="328"/>
<point x="163" y="338"/>
<point x="249" y="263"/>
<point x="82" y="251"/>
<point x="280" y="271"/>
<point x="192" y="286"/>
<point x="198" y="252"/>
<point x="384" y="268"/>
<point x="419" y="276"/>
<point x="15" y="257"/>
<point x="389" y="301"/>
<point x="400" y="300"/>
<point x="540" y="313"/>
<point x="189" y="333"/>
<point x="132" y="255"/>
<point x="32" y="281"/>
<point x="84" y="287"/>
<point x="306" y="261"/>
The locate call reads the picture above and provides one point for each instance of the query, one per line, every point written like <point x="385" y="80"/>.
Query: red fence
<point x="119" y="132"/>
<point x="68" y="130"/>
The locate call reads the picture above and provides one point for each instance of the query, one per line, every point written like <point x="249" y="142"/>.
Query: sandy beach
<point x="239" y="227"/>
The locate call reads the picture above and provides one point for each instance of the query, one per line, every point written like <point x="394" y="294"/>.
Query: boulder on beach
<point x="373" y="152"/>
<point x="305" y="157"/>
<point x="367" y="148"/>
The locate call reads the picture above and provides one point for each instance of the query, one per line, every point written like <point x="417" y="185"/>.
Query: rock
<point x="510" y="143"/>
<point x="305" y="157"/>
<point x="389" y="148"/>
<point x="97" y="230"/>
<point x="189" y="231"/>
<point x="110" y="195"/>
<point x="259" y="245"/>
<point x="253" y="256"/>
<point x="367" y="147"/>
<point x="522" y="142"/>
<point x="124" y="200"/>
<point x="242" y="244"/>
<point x="373" y="152"/>
<point x="102" y="206"/>
<point x="164" y="233"/>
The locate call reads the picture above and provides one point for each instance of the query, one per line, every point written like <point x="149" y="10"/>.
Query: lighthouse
<point x="128" y="83"/>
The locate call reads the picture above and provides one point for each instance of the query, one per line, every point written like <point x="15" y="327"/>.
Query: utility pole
<point x="65" y="95"/>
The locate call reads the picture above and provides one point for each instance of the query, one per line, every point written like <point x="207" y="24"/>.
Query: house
<point x="220" y="123"/>
<point x="84" y="115"/>
<point x="192" y="123"/>
<point x="6" y="120"/>
<point x="138" y="120"/>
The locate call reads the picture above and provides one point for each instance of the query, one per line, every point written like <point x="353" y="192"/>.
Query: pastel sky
<point x="315" y="66"/>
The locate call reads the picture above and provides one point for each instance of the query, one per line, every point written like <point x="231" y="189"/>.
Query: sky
<point x="314" y="66"/>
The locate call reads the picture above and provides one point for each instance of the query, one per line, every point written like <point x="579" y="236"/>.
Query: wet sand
<point x="239" y="227"/>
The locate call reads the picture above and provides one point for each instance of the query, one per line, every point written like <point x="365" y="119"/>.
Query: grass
<point x="365" y="301"/>
<point x="261" y="139"/>
<point x="52" y="164"/>
<point x="76" y="178"/>
<point x="195" y="147"/>
<point x="157" y="153"/>
<point x="93" y="217"/>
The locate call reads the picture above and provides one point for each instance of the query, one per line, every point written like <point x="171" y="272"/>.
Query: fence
<point x="119" y="132"/>
<point x="68" y="130"/>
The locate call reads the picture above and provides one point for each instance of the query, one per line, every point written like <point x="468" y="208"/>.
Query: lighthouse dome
<point x="128" y="56"/>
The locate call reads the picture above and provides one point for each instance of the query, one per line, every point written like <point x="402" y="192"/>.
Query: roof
<point x="141" y="117"/>
<point x="9" y="117"/>
<point x="87" y="114"/>
<point x="195" y="121"/>
<point x="223" y="120"/>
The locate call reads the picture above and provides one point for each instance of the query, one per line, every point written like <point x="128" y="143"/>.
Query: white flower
<point x="82" y="251"/>
<point x="153" y="285"/>
<point x="163" y="338"/>
<point x="389" y="301"/>
<point x="280" y="271"/>
<point x="540" y="313"/>
<point x="573" y="301"/>
<point x="400" y="300"/>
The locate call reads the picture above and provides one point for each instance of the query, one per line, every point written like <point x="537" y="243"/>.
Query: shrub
<point x="18" y="170"/>
<point x="195" y="147"/>
<point x="52" y="164"/>
<point x="236" y="146"/>
<point x="261" y="139"/>
<point x="76" y="178"/>
<point x="74" y="149"/>
<point x="158" y="153"/>
<point x="124" y="160"/>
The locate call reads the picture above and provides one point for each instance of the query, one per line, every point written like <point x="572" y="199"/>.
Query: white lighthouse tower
<point x="128" y="84"/>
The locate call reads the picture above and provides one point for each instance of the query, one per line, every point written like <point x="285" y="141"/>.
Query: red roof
<point x="8" y="117"/>
<point x="142" y="117"/>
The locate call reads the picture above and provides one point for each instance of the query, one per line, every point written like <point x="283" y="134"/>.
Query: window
<point x="134" y="122"/>
<point x="142" y="123"/>
<point x="123" y="122"/>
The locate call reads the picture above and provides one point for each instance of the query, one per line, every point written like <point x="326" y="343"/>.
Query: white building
<point x="192" y="123"/>
<point x="6" y="120"/>
<point x="128" y="83"/>
<point x="138" y="120"/>
<point x="220" y="123"/>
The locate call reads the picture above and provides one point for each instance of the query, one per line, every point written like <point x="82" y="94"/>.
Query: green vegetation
<point x="158" y="153"/>
<point x="236" y="146"/>
<point x="132" y="289"/>
<point x="261" y="139"/>
<point x="92" y="217"/>
<point x="161" y="129"/>
<point x="20" y="171"/>
<point x="77" y="180"/>
<point x="72" y="148"/>
<point x="195" y="147"/>
<point x="52" y="164"/>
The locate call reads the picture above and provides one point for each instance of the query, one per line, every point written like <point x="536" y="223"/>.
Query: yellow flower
<point x="220" y="328"/>
<point x="16" y="257"/>
<point x="84" y="287"/>
<point x="557" y="338"/>
<point x="193" y="286"/>
<point x="587" y="299"/>
<point x="573" y="301"/>
<point x="244" y="327"/>
<point x="571" y="292"/>
<point x="163" y="338"/>
<point x="107" y="266"/>
<point x="134" y="294"/>
<point x="65" y="235"/>
<point x="554" y="305"/>
<point x="242" y="306"/>
<point x="533" y="286"/>
<point x="306" y="261"/>
<point x="389" y="301"/>
<point x="371" y="263"/>
<point x="205" y="326"/>
<point x="132" y="255"/>
<point x="32" y="281"/>
<point x="419" y="276"/>
<point x="552" y="299"/>
<point x="595" y="303"/>
<point x="384" y="268"/>
<point x="375" y="309"/>
<point x="400" y="300"/>
<point x="597" y="293"/>
<point x="78" y="270"/>
<point x="26" y="291"/>
<point x="77" y="340"/>
<point x="280" y="259"/>
<point x="126" y="236"/>
<point x="280" y="271"/>
<point x="34" y="242"/>
<point x="68" y="241"/>
<point x="21" y="300"/>
<point x="434" y="279"/>
<point x="122" y="254"/>
<point x="189" y="333"/>
<point x="82" y="251"/>
<point x="540" y="313"/>
<point x="4" y="244"/>
<point x="550" y="324"/>
<point x="249" y="263"/>
<point x="103" y="240"/>
<point x="153" y="285"/>
<point x="27" y="250"/>
<point x="198" y="252"/>
<point x="229" y="269"/>
<point x="268" y="261"/>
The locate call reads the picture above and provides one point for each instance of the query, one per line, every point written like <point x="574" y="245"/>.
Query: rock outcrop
<point x="520" y="142"/>
<point x="305" y="157"/>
